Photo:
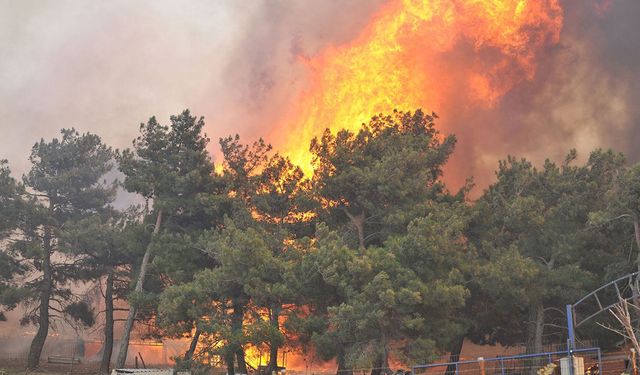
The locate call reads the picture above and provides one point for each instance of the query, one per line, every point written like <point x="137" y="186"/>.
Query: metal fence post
<point x="600" y="362"/>
<point x="571" y="341"/>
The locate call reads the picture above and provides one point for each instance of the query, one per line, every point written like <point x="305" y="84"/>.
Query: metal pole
<point x="502" y="366"/>
<point x="570" y="328"/>
<point x="571" y="341"/>
<point x="600" y="362"/>
<point x="570" y="357"/>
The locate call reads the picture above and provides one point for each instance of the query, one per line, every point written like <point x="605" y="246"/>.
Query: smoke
<point x="263" y="74"/>
<point x="583" y="96"/>
<point x="105" y="67"/>
<point x="576" y="91"/>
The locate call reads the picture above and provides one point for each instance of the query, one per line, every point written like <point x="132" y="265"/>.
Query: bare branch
<point x="621" y="314"/>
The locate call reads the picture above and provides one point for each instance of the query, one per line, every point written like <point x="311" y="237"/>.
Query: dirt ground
<point x="14" y="367"/>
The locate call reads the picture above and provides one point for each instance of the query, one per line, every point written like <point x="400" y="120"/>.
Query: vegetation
<point x="371" y="258"/>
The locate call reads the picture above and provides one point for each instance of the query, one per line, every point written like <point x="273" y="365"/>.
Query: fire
<point x="427" y="54"/>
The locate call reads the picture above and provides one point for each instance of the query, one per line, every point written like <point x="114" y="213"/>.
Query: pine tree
<point x="65" y="184"/>
<point x="169" y="166"/>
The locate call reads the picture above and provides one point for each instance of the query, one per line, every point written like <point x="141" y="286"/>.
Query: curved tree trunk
<point x="242" y="363"/>
<point x="188" y="355"/>
<point x="35" y="351"/>
<point x="105" y="362"/>
<point x="126" y="334"/>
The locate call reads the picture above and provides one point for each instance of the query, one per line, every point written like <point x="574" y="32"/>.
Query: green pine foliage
<point x="66" y="184"/>
<point x="369" y="260"/>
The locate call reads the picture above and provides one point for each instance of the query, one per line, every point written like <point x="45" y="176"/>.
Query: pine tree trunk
<point x="192" y="347"/>
<point x="378" y="365"/>
<point x="358" y="222"/>
<point x="636" y="231"/>
<point x="229" y="361"/>
<point x="360" y="227"/>
<point x="242" y="363"/>
<point x="635" y="288"/>
<point x="454" y="356"/>
<point x="539" y="334"/>
<point x="126" y="334"/>
<point x="273" y="348"/>
<point x="342" y="363"/>
<point x="535" y="331"/>
<point x="35" y="351"/>
<point x="536" y="334"/>
<point x="105" y="363"/>
<point x="237" y="322"/>
<point x="381" y="364"/>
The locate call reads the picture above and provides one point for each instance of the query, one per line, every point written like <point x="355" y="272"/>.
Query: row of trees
<point x="371" y="258"/>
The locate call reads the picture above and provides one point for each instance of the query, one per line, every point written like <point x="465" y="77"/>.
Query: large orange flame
<point x="430" y="54"/>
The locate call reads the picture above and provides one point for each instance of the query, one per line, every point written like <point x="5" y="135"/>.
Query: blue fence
<point x="523" y="364"/>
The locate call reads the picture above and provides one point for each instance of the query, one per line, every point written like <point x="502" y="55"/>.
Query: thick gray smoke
<point x="105" y="67"/>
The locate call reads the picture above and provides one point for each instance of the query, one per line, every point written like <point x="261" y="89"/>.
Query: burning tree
<point x="245" y="287"/>
<point x="382" y="177"/>
<point x="380" y="189"/>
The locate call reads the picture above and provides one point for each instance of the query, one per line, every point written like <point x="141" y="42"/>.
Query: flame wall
<point x="508" y="76"/>
<point x="437" y="55"/>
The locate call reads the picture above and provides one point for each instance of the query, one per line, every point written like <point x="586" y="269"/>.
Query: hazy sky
<point x="106" y="66"/>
